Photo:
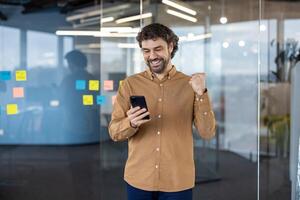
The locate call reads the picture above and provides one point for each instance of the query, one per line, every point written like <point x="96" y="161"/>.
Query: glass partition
<point x="228" y="53"/>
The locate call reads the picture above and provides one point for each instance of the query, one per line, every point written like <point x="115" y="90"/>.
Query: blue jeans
<point x="138" y="194"/>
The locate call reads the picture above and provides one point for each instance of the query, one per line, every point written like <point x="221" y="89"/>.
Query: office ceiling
<point x="64" y="6"/>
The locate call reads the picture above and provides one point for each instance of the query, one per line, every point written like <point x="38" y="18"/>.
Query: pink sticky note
<point x="18" y="92"/>
<point x="113" y="99"/>
<point x="108" y="85"/>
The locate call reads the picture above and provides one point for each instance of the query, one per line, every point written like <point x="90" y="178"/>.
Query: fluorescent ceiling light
<point x="179" y="7"/>
<point x="120" y="29"/>
<point x="108" y="34"/>
<point x="92" y="21"/>
<point x="133" y="18"/>
<point x="97" y="19"/>
<point x="83" y="15"/>
<point x="192" y="37"/>
<point x="76" y="26"/>
<point x="76" y="33"/>
<point x="94" y="33"/>
<point x="180" y="15"/>
<point x="107" y="19"/>
<point x="128" y="45"/>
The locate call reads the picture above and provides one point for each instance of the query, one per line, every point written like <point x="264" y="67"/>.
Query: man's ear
<point x="170" y="47"/>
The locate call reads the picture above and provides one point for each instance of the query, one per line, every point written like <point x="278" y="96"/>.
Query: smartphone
<point x="139" y="101"/>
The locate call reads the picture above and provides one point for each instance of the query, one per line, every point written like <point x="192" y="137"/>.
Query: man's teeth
<point x="156" y="62"/>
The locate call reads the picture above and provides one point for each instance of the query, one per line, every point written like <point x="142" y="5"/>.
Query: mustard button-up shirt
<point x="160" y="152"/>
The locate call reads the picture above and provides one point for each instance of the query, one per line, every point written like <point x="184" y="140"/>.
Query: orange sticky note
<point x="87" y="100"/>
<point x="21" y="75"/>
<point x="12" y="109"/>
<point x="113" y="99"/>
<point x="108" y="85"/>
<point x="94" y="85"/>
<point x="18" y="92"/>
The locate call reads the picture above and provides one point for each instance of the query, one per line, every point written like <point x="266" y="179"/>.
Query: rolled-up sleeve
<point x="204" y="118"/>
<point x="119" y="127"/>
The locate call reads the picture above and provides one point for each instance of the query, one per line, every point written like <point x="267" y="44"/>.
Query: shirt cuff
<point x="130" y="131"/>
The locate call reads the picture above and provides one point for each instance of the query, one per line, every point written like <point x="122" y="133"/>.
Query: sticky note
<point x="80" y="84"/>
<point x="12" y="109"/>
<point x="101" y="99"/>
<point x="113" y="99"/>
<point x="5" y="75"/>
<point x="94" y="85"/>
<point x="121" y="83"/>
<point x="21" y="75"/>
<point x="108" y="85"/>
<point x="87" y="100"/>
<point x="18" y="92"/>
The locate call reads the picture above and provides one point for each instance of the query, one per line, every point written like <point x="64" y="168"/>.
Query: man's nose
<point x="152" y="55"/>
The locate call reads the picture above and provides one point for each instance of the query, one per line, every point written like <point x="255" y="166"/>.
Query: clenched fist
<point x="198" y="83"/>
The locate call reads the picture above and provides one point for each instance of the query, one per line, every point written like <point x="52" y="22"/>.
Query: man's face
<point x="157" y="54"/>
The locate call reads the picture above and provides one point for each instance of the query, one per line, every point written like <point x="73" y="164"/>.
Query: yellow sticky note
<point x="94" y="85"/>
<point x="12" y="109"/>
<point x="18" y="92"/>
<point x="121" y="83"/>
<point x="21" y="75"/>
<point x="113" y="99"/>
<point x="87" y="100"/>
<point x="108" y="85"/>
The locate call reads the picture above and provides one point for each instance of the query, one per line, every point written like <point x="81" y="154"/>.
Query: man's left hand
<point x="198" y="83"/>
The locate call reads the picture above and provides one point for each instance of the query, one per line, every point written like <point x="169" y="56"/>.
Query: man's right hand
<point x="136" y="116"/>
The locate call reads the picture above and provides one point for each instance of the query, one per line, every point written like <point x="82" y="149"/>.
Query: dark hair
<point x="77" y="58"/>
<point x="156" y="30"/>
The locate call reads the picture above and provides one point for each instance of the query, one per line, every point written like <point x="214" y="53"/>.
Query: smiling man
<point x="160" y="164"/>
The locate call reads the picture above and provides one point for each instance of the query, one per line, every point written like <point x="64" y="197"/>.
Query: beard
<point x="158" y="65"/>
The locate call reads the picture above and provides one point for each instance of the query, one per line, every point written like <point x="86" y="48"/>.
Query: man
<point x="78" y="119"/>
<point x="160" y="162"/>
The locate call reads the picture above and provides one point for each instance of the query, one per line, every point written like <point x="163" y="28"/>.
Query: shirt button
<point x="157" y="149"/>
<point x="156" y="166"/>
<point x="197" y="99"/>
<point x="161" y="85"/>
<point x="159" y="116"/>
<point x="158" y="132"/>
<point x="205" y="113"/>
<point x="201" y="99"/>
<point x="160" y="99"/>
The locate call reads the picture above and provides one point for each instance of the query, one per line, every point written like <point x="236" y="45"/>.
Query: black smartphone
<point x="139" y="101"/>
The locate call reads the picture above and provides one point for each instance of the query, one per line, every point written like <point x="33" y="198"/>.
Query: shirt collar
<point x="170" y="75"/>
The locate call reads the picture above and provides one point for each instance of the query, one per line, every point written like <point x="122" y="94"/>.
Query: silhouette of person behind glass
<point x="78" y="119"/>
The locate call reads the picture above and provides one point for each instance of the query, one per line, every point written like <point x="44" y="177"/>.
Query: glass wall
<point x="226" y="166"/>
<point x="56" y="103"/>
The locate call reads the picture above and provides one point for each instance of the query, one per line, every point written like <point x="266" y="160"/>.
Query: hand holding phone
<point x="139" y="113"/>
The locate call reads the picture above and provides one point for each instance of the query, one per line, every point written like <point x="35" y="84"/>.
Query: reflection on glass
<point x="10" y="48"/>
<point x="42" y="49"/>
